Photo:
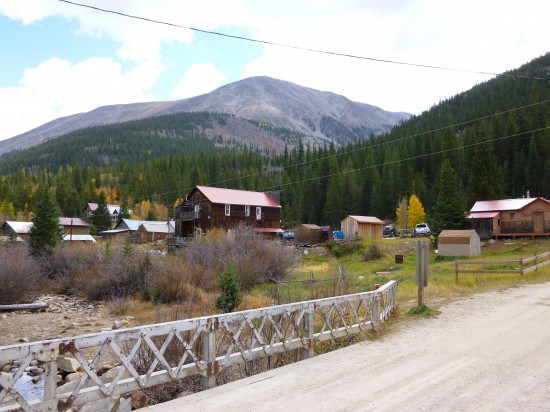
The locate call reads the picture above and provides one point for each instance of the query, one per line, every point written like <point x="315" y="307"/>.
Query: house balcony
<point x="523" y="228"/>
<point x="187" y="216"/>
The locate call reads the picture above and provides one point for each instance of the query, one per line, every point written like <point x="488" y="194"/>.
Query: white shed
<point x="458" y="243"/>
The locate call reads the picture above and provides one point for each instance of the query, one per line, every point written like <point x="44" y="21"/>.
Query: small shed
<point x="152" y="232"/>
<point x="459" y="243"/>
<point x="308" y="234"/>
<point x="362" y="226"/>
<point x="327" y="233"/>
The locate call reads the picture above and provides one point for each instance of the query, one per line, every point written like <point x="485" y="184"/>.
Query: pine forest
<point x="492" y="141"/>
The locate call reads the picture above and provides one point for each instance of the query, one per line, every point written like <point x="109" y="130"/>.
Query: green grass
<point x="363" y="275"/>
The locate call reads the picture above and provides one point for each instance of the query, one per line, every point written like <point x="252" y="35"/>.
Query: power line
<point x="288" y="46"/>
<point x="347" y="152"/>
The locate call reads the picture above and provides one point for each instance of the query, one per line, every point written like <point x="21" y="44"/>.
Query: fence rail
<point x="539" y="260"/>
<point x="156" y="354"/>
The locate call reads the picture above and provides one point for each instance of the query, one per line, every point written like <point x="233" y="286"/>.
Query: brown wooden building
<point x="511" y="217"/>
<point x="362" y="226"/>
<point x="206" y="208"/>
<point x="74" y="225"/>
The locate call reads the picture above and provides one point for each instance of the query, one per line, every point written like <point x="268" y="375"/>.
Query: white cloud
<point x="199" y="79"/>
<point x="491" y="36"/>
<point x="57" y="88"/>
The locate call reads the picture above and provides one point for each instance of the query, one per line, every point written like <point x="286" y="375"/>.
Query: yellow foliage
<point x="401" y="214"/>
<point x="415" y="211"/>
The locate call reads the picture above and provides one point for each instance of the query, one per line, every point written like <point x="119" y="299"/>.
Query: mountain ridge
<point x="260" y="98"/>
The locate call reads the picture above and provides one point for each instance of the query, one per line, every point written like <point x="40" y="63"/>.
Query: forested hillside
<point x="495" y="136"/>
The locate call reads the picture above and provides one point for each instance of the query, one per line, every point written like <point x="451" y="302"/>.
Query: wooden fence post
<point x="309" y="333"/>
<point x="456" y="271"/>
<point x="209" y="354"/>
<point x="521" y="269"/>
<point x="50" y="384"/>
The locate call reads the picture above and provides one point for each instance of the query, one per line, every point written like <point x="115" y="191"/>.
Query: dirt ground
<point x="488" y="352"/>
<point x="64" y="317"/>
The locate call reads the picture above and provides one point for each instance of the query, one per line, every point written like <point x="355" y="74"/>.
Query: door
<point x="538" y="222"/>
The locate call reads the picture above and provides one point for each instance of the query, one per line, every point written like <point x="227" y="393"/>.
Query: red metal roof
<point x="503" y="204"/>
<point x="237" y="197"/>
<point x="482" y="215"/>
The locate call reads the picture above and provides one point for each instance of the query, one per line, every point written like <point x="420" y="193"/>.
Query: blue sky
<point x="59" y="59"/>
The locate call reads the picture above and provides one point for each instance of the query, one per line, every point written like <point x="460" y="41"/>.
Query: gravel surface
<point x="65" y="316"/>
<point x="489" y="352"/>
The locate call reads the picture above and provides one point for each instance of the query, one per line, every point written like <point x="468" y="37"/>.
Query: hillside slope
<point x="323" y="116"/>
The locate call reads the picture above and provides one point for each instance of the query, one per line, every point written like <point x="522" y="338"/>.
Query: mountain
<point x="319" y="116"/>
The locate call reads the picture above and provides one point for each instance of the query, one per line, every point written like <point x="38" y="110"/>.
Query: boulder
<point x="68" y="365"/>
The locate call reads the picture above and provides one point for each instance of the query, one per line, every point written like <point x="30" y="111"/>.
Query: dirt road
<point x="490" y="352"/>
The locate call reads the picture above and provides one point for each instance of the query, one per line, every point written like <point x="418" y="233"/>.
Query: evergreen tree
<point x="101" y="219"/>
<point x="449" y="209"/>
<point x="230" y="295"/>
<point x="46" y="232"/>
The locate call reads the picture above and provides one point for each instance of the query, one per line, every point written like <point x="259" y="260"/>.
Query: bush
<point x="339" y="249"/>
<point x="373" y="253"/>
<point x="20" y="276"/>
<point x="255" y="258"/>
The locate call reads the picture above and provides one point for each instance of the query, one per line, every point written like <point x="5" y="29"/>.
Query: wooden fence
<point x="538" y="261"/>
<point x="162" y="353"/>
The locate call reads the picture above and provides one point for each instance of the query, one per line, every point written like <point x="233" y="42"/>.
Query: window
<point x="512" y="216"/>
<point x="197" y="208"/>
<point x="247" y="211"/>
<point x="258" y="213"/>
<point x="228" y="210"/>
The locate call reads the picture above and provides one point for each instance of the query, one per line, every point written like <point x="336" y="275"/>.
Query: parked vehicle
<point x="288" y="236"/>
<point x="422" y="229"/>
<point x="390" y="231"/>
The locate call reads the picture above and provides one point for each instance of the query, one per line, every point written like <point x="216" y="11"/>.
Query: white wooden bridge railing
<point x="161" y="353"/>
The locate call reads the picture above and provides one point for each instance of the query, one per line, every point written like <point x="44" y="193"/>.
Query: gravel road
<point x="490" y="352"/>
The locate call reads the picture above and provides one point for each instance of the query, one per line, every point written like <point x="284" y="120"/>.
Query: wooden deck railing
<point x="161" y="353"/>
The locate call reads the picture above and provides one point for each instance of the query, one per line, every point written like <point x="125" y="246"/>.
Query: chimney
<point x="528" y="195"/>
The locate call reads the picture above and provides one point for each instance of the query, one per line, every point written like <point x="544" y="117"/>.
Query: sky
<point x="59" y="59"/>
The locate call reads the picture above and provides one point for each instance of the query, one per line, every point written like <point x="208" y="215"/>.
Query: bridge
<point x="205" y="347"/>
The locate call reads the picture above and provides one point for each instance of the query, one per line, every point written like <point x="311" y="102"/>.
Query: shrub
<point x="373" y="253"/>
<point x="19" y="276"/>
<point x="339" y="249"/>
<point x="255" y="258"/>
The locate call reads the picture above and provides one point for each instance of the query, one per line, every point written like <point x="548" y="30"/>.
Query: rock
<point x="112" y="373"/>
<point x="139" y="400"/>
<point x="103" y="369"/>
<point x="67" y="388"/>
<point x="35" y="379"/>
<point x="4" y="316"/>
<point x="33" y="363"/>
<point x="69" y="365"/>
<point x="34" y="371"/>
<point x="116" y="403"/>
<point x="24" y="340"/>
<point x="5" y="375"/>
<point x="73" y="376"/>
<point x="117" y="324"/>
